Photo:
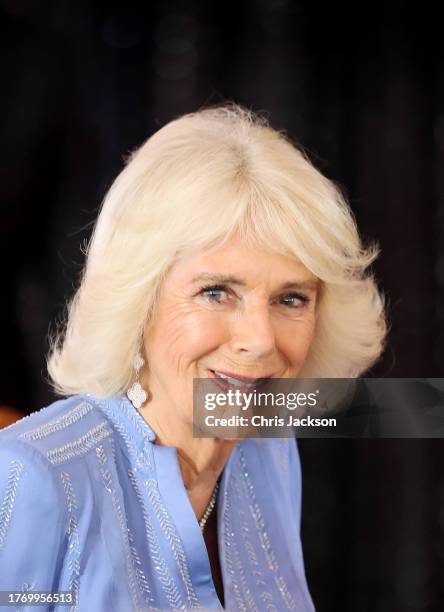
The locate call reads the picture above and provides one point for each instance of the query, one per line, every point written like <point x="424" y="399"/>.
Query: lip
<point x="247" y="379"/>
<point x="225" y="385"/>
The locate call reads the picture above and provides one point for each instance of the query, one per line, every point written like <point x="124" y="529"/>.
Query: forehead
<point x="243" y="261"/>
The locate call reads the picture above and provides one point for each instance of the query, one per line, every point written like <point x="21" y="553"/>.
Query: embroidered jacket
<point x="89" y="504"/>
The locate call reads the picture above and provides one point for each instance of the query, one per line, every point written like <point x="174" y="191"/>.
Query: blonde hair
<point x="196" y="182"/>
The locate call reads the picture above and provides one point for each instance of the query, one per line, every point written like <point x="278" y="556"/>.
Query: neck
<point x="201" y="460"/>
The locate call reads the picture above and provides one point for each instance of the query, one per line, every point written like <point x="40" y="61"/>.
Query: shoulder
<point x="35" y="491"/>
<point x="39" y="470"/>
<point x="56" y="433"/>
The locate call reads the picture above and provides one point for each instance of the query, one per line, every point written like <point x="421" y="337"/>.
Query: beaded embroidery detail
<point x="169" y="588"/>
<point x="232" y="558"/>
<point x="266" y="597"/>
<point x="137" y="420"/>
<point x="141" y="578"/>
<point x="173" y="538"/>
<point x="7" y="507"/>
<point x="109" y="486"/>
<point x="141" y="459"/>
<point x="72" y="416"/>
<point x="263" y="535"/>
<point x="81" y="446"/>
<point x="73" y="555"/>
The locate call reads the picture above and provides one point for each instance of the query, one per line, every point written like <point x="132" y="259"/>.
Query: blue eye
<point x="215" y="293"/>
<point x="294" y="300"/>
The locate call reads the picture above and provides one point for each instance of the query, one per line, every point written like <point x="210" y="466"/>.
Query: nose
<point x="252" y="332"/>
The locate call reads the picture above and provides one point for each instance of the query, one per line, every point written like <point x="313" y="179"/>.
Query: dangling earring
<point x="136" y="393"/>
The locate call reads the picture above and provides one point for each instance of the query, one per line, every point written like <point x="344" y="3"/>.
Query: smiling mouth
<point x="235" y="380"/>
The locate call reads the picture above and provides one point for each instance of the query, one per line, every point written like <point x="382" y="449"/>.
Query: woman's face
<point x="235" y="310"/>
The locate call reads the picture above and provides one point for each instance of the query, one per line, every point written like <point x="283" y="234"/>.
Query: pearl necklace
<point x="209" y="508"/>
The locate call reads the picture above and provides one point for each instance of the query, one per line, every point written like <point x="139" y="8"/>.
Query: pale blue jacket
<point x="89" y="504"/>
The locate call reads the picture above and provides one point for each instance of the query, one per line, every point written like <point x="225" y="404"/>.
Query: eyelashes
<point x="212" y="291"/>
<point x="296" y="296"/>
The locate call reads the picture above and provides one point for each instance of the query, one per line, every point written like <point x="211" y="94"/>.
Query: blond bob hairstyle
<point x="198" y="181"/>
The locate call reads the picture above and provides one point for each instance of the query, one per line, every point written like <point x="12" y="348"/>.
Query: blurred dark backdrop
<point x="361" y="87"/>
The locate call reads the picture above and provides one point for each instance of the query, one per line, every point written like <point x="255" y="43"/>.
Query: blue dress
<point x="89" y="504"/>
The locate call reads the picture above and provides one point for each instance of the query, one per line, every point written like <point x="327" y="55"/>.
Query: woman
<point x="219" y="251"/>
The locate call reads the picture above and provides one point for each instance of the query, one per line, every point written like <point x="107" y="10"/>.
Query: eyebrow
<point x="310" y="285"/>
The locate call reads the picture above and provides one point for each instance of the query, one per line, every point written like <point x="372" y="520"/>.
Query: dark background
<point x="361" y="87"/>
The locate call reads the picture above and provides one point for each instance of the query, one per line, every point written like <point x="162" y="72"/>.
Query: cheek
<point x="185" y="335"/>
<point x="294" y="341"/>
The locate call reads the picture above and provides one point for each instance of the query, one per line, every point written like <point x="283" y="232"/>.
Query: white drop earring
<point x="136" y="393"/>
